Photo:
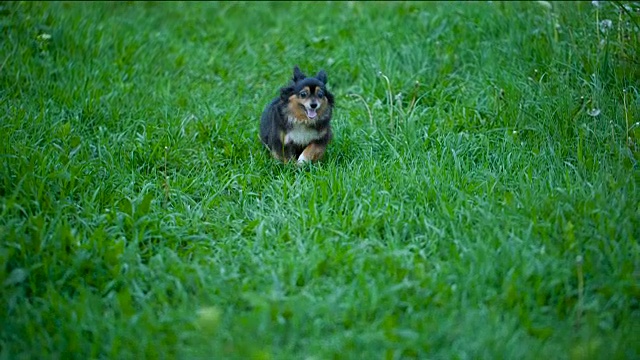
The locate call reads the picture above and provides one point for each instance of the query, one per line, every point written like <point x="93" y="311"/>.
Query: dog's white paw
<point x="302" y="159"/>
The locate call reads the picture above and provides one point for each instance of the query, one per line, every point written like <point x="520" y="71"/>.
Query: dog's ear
<point x="297" y="74"/>
<point x="286" y="92"/>
<point x="322" y="76"/>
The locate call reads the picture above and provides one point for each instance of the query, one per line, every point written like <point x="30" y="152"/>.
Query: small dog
<point x="296" y="125"/>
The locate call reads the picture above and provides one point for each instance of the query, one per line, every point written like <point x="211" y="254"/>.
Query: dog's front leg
<point x="312" y="152"/>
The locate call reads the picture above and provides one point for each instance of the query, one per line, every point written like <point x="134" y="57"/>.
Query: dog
<point x="296" y="125"/>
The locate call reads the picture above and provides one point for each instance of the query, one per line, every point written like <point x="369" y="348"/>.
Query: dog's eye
<point x="320" y="94"/>
<point x="303" y="94"/>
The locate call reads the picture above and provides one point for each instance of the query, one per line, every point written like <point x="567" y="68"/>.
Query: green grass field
<point x="480" y="199"/>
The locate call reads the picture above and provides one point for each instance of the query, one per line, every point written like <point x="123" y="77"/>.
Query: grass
<point x="480" y="198"/>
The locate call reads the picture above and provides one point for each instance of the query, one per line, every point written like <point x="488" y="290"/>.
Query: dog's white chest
<point x="302" y="135"/>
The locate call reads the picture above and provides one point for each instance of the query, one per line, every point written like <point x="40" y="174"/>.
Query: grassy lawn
<point x="480" y="199"/>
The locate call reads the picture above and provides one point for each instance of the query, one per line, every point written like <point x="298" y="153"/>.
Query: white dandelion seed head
<point x="545" y="4"/>
<point x="596" y="3"/>
<point x="593" y="112"/>
<point x="605" y="25"/>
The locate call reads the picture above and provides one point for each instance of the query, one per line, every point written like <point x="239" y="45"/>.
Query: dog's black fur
<point x="296" y="125"/>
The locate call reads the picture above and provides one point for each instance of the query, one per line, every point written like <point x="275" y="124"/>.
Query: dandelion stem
<point x="389" y="96"/>
<point x="413" y="99"/>
<point x="626" y="117"/>
<point x="366" y="106"/>
<point x="580" y="275"/>
<point x="598" y="24"/>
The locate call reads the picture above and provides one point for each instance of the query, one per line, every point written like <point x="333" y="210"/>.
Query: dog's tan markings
<point x="324" y="105"/>
<point x="313" y="152"/>
<point x="295" y="108"/>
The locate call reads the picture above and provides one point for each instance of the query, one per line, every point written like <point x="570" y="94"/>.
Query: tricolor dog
<point x="296" y="125"/>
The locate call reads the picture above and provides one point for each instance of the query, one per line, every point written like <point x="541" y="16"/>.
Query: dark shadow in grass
<point x="337" y="156"/>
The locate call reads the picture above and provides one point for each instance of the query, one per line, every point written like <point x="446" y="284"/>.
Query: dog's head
<point x="308" y="97"/>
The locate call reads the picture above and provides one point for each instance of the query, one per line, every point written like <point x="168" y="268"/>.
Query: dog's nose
<point x="313" y="105"/>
